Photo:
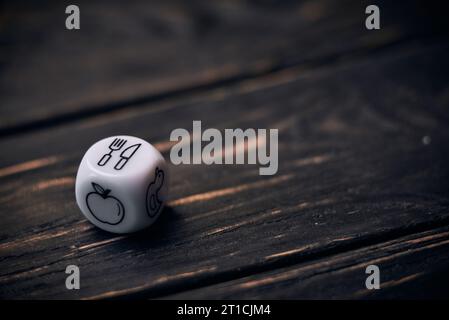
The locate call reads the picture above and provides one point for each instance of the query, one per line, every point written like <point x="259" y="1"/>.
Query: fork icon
<point x="115" y="145"/>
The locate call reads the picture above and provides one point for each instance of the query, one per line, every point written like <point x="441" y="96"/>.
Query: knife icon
<point x="126" y="155"/>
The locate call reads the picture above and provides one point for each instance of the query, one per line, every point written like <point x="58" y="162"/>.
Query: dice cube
<point x="122" y="184"/>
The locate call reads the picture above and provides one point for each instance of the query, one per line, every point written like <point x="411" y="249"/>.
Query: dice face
<point x="121" y="184"/>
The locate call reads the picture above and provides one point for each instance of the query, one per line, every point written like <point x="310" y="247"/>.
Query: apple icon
<point x="104" y="207"/>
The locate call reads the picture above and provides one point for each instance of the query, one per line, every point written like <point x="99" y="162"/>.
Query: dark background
<point x="363" y="147"/>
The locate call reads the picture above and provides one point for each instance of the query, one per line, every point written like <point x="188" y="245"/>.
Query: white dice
<point x="121" y="184"/>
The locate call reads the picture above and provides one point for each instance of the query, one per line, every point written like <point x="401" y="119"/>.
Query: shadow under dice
<point x="121" y="184"/>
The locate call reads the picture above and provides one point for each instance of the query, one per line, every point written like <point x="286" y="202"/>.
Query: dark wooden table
<point x="363" y="147"/>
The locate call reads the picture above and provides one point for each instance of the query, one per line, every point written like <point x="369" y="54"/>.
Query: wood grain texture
<point x="136" y="53"/>
<point x="353" y="171"/>
<point x="411" y="267"/>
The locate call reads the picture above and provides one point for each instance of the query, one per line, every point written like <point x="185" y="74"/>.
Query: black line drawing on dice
<point x="153" y="202"/>
<point x="115" y="145"/>
<point x="104" y="207"/>
<point x="126" y="155"/>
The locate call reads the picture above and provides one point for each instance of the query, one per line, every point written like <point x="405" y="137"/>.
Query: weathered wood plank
<point x="125" y="56"/>
<point x="352" y="166"/>
<point x="411" y="267"/>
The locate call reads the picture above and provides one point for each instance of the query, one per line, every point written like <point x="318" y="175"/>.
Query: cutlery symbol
<point x="126" y="155"/>
<point x="115" y="145"/>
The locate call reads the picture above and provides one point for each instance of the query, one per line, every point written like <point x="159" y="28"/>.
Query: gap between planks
<point x="206" y="277"/>
<point x="255" y="71"/>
